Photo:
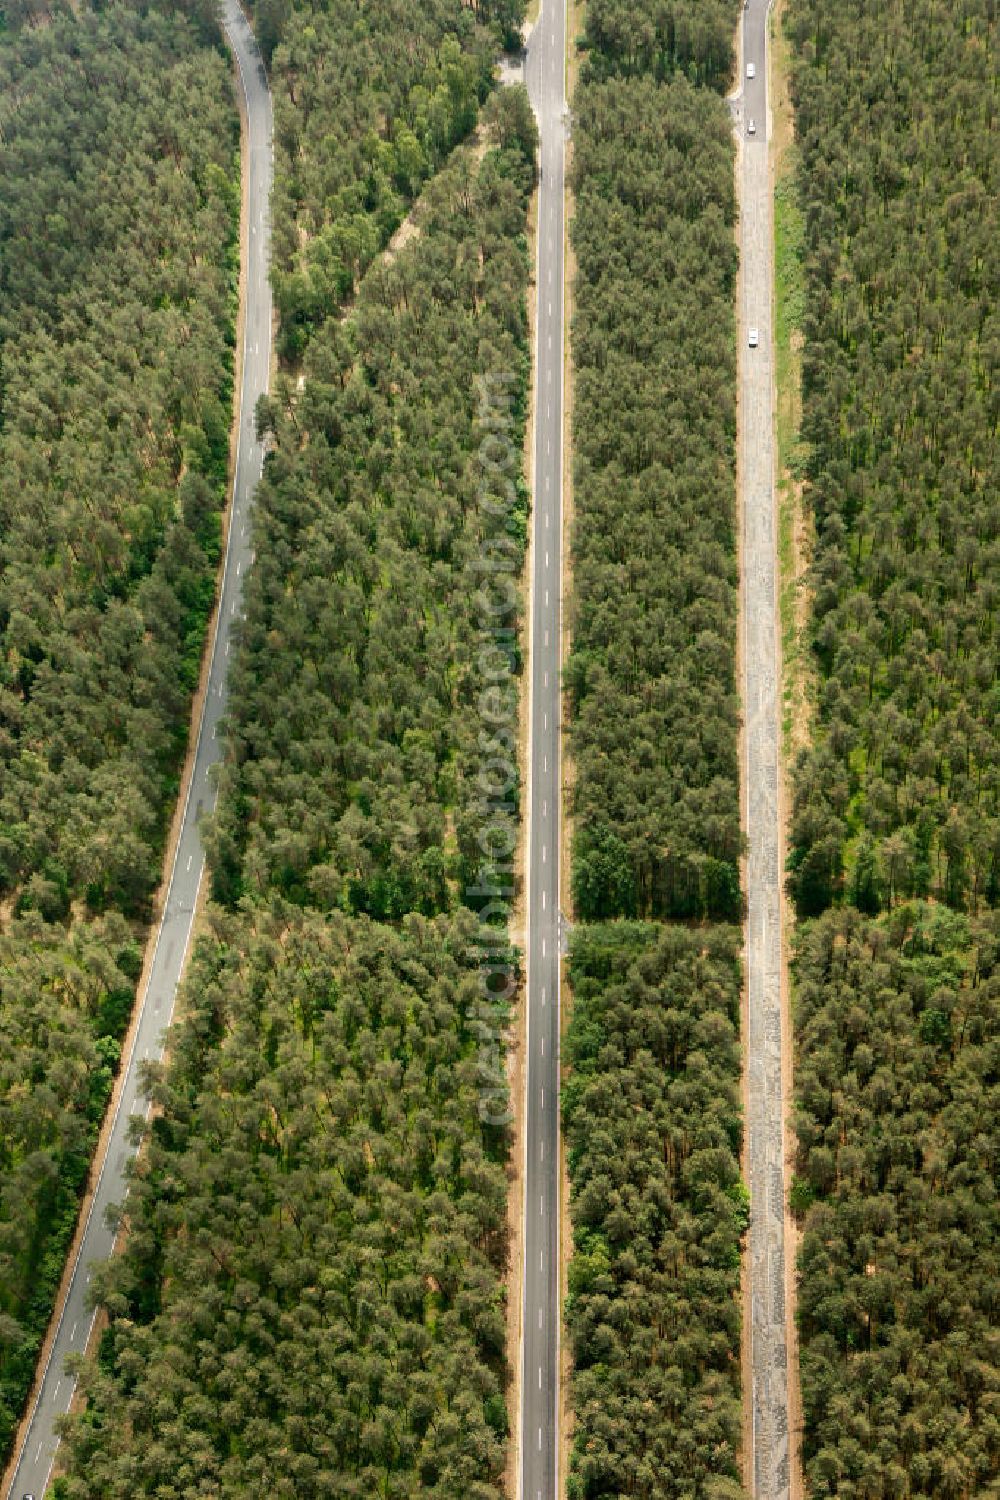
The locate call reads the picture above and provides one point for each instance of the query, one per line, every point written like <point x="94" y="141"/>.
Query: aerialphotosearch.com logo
<point x="495" y="602"/>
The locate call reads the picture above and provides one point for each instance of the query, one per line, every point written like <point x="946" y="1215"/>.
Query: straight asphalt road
<point x="768" y="1327"/>
<point x="539" y="1424"/>
<point x="52" y="1400"/>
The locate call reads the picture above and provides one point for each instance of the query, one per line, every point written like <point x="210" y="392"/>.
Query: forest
<point x="653" y="1130"/>
<point x="651" y="674"/>
<point x="364" y="112"/>
<point x="900" y="796"/>
<point x="895" y="834"/>
<point x="311" y="1298"/>
<point x="118" y="275"/>
<point x="897" y="1120"/>
<point x="651" y="1101"/>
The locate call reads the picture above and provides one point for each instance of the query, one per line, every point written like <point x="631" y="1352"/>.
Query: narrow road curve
<point x="55" y="1391"/>
<point x="539" y="1417"/>
<point x="768" y="1318"/>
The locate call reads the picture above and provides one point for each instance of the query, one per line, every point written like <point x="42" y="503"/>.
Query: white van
<point x="751" y="70"/>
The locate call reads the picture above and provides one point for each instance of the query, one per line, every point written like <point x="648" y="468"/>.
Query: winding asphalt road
<point x="38" y="1449"/>
<point x="539" y="1425"/>
<point x="765" y="1105"/>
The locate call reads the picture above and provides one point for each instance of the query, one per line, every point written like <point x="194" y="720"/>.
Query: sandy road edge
<point x="565" y="1413"/>
<point x="777" y="88"/>
<point x="517" y="1034"/>
<point x="575" y="22"/>
<point x="166" y="869"/>
<point x="780" y="118"/>
<point x="746" y="1456"/>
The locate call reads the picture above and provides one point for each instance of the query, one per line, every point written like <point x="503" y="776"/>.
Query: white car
<point x="751" y="128"/>
<point x="751" y="70"/>
<point x="754" y="339"/>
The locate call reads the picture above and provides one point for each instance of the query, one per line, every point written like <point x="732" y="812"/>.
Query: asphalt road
<point x="768" y="1330"/>
<point x="539" y="1426"/>
<point x="38" y="1449"/>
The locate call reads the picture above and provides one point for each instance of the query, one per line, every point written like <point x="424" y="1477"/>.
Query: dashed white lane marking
<point x="539" y="1377"/>
<point x="539" y="1440"/>
<point x="546" y="598"/>
<point x="38" y="1454"/>
<point x="539" y="1317"/>
<point x="190" y="858"/>
<point x="543" y="854"/>
<point x="543" y="901"/>
<point x="73" y="1334"/>
<point x="55" y="1393"/>
<point x="543" y="994"/>
<point x="214" y="728"/>
<point x="546" y="679"/>
<point x="239" y="565"/>
<point x="546" y="559"/>
<point x="541" y="1205"/>
<point x="227" y="647"/>
<point x="543" y="955"/>
<point x="543" y="1046"/>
